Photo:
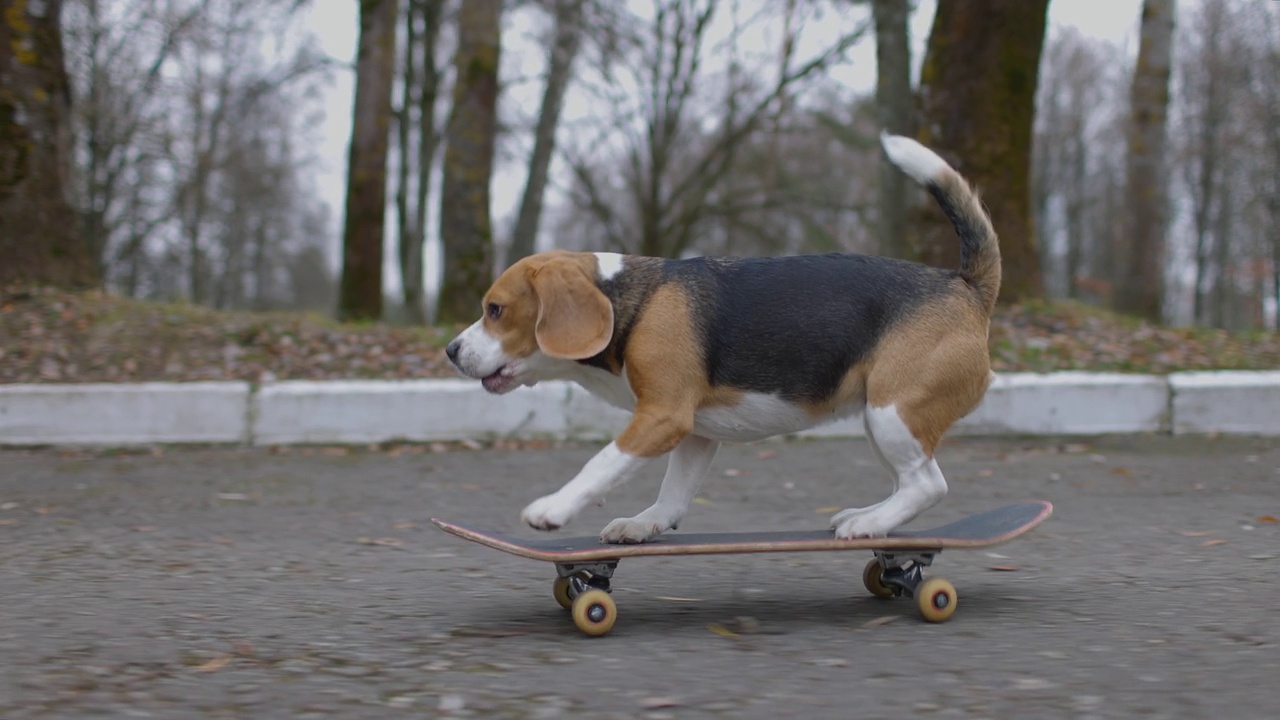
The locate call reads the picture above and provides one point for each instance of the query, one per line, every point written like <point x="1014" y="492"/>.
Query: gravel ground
<point x="309" y="583"/>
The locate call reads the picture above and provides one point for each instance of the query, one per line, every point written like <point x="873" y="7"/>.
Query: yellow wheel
<point x="871" y="578"/>
<point x="560" y="590"/>
<point x="936" y="599"/>
<point x="594" y="612"/>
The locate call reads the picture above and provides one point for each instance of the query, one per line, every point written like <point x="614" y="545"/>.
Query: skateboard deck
<point x="584" y="565"/>
<point x="982" y="530"/>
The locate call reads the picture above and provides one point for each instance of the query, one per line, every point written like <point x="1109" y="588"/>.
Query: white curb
<point x="1245" y="403"/>
<point x="133" y="414"/>
<point x="359" y="412"/>
<point x="1070" y="403"/>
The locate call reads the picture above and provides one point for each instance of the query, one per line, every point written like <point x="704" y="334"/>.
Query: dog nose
<point x="452" y="351"/>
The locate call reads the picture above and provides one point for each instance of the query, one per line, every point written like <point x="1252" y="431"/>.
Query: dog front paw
<point x="629" y="531"/>
<point x="547" y="513"/>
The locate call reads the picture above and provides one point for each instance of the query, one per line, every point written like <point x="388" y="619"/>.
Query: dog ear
<point x="575" y="319"/>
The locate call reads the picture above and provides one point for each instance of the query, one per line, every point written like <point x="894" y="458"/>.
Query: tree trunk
<point x="465" y="226"/>
<point x="1140" y="287"/>
<point x="893" y="108"/>
<point x="568" y="37"/>
<point x="38" y="231"/>
<point x="414" y="224"/>
<point x="360" y="296"/>
<point x="977" y="106"/>
<point x="404" y="148"/>
<point x="428" y="142"/>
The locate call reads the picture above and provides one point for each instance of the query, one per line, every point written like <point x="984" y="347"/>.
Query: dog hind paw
<point x="859" y="523"/>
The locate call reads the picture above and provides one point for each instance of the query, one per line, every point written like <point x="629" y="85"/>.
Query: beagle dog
<point x="714" y="349"/>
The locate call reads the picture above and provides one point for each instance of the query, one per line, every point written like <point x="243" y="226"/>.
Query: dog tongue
<point x="495" y="382"/>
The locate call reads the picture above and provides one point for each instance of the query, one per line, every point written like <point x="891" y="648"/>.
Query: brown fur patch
<point x="933" y="366"/>
<point x="516" y="291"/>
<point x="665" y="365"/>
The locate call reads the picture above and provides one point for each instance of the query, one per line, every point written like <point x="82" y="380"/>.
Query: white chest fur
<point x="757" y="416"/>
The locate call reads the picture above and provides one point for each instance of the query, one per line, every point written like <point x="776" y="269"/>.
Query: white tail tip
<point x="922" y="164"/>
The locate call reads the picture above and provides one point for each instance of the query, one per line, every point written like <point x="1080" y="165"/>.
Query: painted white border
<point x="366" y="411"/>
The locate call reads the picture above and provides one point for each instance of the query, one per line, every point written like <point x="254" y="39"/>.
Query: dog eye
<point x="493" y="310"/>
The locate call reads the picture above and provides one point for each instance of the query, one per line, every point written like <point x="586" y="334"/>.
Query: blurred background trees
<point x="171" y="149"/>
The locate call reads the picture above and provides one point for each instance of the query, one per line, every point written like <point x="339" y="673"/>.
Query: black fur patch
<point x="793" y="326"/>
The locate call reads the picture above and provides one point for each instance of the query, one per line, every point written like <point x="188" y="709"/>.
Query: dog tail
<point x="979" y="247"/>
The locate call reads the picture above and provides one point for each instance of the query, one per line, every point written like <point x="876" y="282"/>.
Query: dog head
<point x="545" y="311"/>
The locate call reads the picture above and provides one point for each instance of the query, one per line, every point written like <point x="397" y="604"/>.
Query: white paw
<point x="641" y="528"/>
<point x="859" y="523"/>
<point x="550" y="512"/>
<point x="845" y="515"/>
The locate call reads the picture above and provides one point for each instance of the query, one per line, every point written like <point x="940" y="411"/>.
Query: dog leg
<point x="686" y="470"/>
<point x="918" y="482"/>
<point x="608" y="469"/>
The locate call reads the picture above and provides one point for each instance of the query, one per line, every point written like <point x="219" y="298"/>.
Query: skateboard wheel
<point x="560" y="591"/>
<point x="872" y="578"/>
<point x="936" y="599"/>
<point x="594" y="612"/>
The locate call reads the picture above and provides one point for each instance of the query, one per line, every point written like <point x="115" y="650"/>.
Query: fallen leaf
<point x="8" y="522"/>
<point x="722" y="631"/>
<point x="215" y="664"/>
<point x="387" y="542"/>
<point x="882" y="620"/>
<point x="1194" y="533"/>
<point x="1211" y="543"/>
<point x="44" y="510"/>
<point x="1005" y="568"/>
<point x="734" y="472"/>
<point x="701" y="501"/>
<point x="404" y="526"/>
<point x="671" y="598"/>
<point x="1267" y="519"/>
<point x="766" y="454"/>
<point x="232" y="496"/>
<point x="656" y="703"/>
<point x="986" y="473"/>
<point x="451" y="703"/>
<point x="1122" y="471"/>
<point x="827" y="509"/>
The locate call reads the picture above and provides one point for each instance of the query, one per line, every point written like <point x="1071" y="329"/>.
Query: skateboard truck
<point x="583" y="589"/>
<point x="894" y="574"/>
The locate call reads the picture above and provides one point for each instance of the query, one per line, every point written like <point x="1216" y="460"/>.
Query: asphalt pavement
<point x="310" y="583"/>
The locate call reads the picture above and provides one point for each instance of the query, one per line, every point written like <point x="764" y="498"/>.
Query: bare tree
<point x="1265" y="107"/>
<point x="663" y="164"/>
<point x="1075" y="106"/>
<point x="38" y="239"/>
<point x="361" y="286"/>
<point x="977" y="105"/>
<point x="566" y="40"/>
<point x="421" y="86"/>
<point x="893" y="105"/>
<point x="1140" y="289"/>
<point x="119" y="51"/>
<point x="466" y="230"/>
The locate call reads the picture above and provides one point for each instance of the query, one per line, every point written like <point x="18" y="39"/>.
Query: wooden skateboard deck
<point x="584" y="565"/>
<point x="981" y="530"/>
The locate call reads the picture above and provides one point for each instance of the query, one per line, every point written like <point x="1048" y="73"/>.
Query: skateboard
<point x="585" y="565"/>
